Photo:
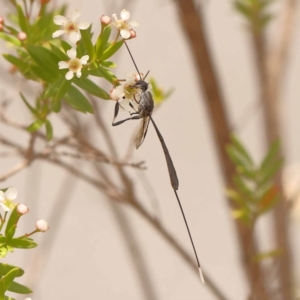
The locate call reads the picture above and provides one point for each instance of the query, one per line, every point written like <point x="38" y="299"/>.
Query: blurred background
<point x="99" y="248"/>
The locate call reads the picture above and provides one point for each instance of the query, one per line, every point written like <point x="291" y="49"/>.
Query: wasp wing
<point x="139" y="139"/>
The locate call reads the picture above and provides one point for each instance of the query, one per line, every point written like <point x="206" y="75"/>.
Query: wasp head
<point x="143" y="85"/>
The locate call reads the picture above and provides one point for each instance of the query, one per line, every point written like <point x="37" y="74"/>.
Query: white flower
<point x="74" y="64"/>
<point x="123" y="25"/>
<point x="42" y="225"/>
<point x="71" y="27"/>
<point x="22" y="209"/>
<point x="127" y="94"/>
<point x="6" y="198"/>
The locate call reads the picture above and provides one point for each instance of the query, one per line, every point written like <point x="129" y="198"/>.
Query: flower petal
<point x="124" y="104"/>
<point x="4" y="207"/>
<point x="134" y="24"/>
<point x="78" y="74"/>
<point x="74" y="37"/>
<point x="75" y="14"/>
<point x="130" y="78"/>
<point x="60" y="20"/>
<point x="69" y="75"/>
<point x="63" y="65"/>
<point x="125" y="33"/>
<point x="117" y="92"/>
<point x="11" y="193"/>
<point x="72" y="53"/>
<point x="125" y="14"/>
<point x="2" y="196"/>
<point x="58" y="33"/>
<point x="83" y="25"/>
<point x="84" y="59"/>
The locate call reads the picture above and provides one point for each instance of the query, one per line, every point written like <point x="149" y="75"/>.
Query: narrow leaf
<point x="49" y="130"/>
<point x="89" y="86"/>
<point x="111" y="50"/>
<point x="102" y="41"/>
<point x="78" y="101"/>
<point x="87" y="41"/>
<point x="19" y="288"/>
<point x="13" y="220"/>
<point x="23" y="21"/>
<point x="36" y="125"/>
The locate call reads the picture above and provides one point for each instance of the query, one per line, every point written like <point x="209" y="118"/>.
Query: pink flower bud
<point x="105" y="19"/>
<point x="22" y="36"/>
<point x="132" y="33"/>
<point x="42" y="225"/>
<point x="138" y="77"/>
<point x="22" y="209"/>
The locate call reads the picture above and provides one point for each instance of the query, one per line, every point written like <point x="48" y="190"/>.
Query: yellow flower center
<point x="75" y="65"/>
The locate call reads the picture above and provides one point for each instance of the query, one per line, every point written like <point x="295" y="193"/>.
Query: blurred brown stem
<point x="270" y="68"/>
<point x="193" y="26"/>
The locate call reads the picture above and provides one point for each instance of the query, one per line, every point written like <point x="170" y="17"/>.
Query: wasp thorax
<point x="142" y="85"/>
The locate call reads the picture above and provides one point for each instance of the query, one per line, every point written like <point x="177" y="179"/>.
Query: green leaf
<point x="16" y="61"/>
<point x="13" y="220"/>
<point x="45" y="60"/>
<point x="19" y="288"/>
<point x="241" y="166"/>
<point x="78" y="101"/>
<point x="52" y="89"/>
<point x="7" y="279"/>
<point x="9" y="298"/>
<point x="65" y="46"/>
<point x="241" y="150"/>
<point x="61" y="56"/>
<point x="108" y="64"/>
<point x="102" y="41"/>
<point x="23" y="21"/>
<point x="36" y="125"/>
<point x="102" y="72"/>
<point x="62" y="90"/>
<point x="49" y="130"/>
<point x="2" y="239"/>
<point x="23" y="243"/>
<point x="11" y="232"/>
<point x="111" y="50"/>
<point x="270" y="157"/>
<point x="270" y="172"/>
<point x="55" y="105"/>
<point x="87" y="41"/>
<point x="33" y="110"/>
<point x="10" y="38"/>
<point x="91" y="88"/>
<point x="5" y="268"/>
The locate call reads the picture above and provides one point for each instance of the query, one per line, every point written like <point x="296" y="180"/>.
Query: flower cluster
<point x="7" y="204"/>
<point x="72" y="27"/>
<point x="127" y="93"/>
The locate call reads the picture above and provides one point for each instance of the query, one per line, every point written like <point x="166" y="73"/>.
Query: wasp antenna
<point x="133" y="60"/>
<point x="146" y="75"/>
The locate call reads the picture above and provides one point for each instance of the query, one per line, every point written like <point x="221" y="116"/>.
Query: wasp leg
<point x="122" y="121"/>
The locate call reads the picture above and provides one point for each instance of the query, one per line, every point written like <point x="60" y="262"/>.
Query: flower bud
<point x="132" y="34"/>
<point x="22" y="209"/>
<point x="1" y="20"/>
<point x="22" y="36"/>
<point x="42" y="225"/>
<point x="105" y="20"/>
